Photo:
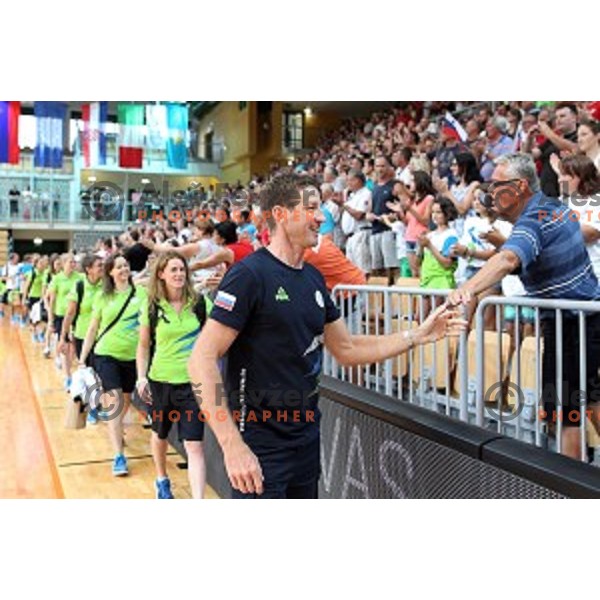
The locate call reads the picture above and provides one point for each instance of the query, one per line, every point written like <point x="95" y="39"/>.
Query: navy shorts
<point x="31" y="301"/>
<point x="57" y="324"/>
<point x="291" y="473"/>
<point x="175" y="403"/>
<point x="116" y="374"/>
<point x="89" y="361"/>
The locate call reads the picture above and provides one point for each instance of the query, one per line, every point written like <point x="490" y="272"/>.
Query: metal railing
<point x="526" y="413"/>
<point x="57" y="213"/>
<point x="474" y="378"/>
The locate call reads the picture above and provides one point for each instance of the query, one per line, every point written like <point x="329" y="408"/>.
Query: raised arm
<point x="353" y="350"/>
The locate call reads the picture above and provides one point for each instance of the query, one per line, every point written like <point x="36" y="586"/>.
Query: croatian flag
<point x="50" y="123"/>
<point x="95" y="116"/>
<point x="451" y="127"/>
<point x="177" y="121"/>
<point x="9" y="132"/>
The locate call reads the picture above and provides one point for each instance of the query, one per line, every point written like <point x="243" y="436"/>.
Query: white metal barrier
<point x="491" y="379"/>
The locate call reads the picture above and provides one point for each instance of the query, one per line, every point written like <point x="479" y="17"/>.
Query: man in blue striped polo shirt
<point x="547" y="251"/>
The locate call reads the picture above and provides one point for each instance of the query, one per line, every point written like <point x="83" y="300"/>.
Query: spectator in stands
<point x="439" y="264"/>
<point x="588" y="141"/>
<point x="401" y="159"/>
<point x="446" y="154"/>
<point x="231" y="250"/>
<point x="563" y="139"/>
<point x="498" y="144"/>
<point x="383" y="250"/>
<point x="354" y="223"/>
<point x="482" y="117"/>
<point x="513" y="116"/>
<point x="546" y="248"/>
<point x="417" y="208"/>
<point x="467" y="177"/>
<point x="369" y="171"/>
<point x="580" y="182"/>
<point x="137" y="254"/>
<point x="246" y="229"/>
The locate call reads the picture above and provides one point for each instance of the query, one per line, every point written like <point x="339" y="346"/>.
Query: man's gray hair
<point x="500" y="123"/>
<point x="520" y="166"/>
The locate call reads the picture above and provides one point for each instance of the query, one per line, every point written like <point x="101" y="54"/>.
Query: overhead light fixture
<point x="92" y="179"/>
<point x="145" y="181"/>
<point x="38" y="241"/>
<point x="308" y="111"/>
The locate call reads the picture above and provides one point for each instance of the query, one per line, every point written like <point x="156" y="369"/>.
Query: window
<point x="293" y="130"/>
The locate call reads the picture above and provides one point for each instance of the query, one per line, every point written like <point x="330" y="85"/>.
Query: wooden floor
<point x="39" y="458"/>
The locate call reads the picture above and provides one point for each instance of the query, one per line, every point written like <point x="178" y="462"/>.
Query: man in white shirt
<point x="401" y="159"/>
<point x="354" y="224"/>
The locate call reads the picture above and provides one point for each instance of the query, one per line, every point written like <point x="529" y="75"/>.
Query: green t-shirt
<point x="61" y="284"/>
<point x="85" y="310"/>
<point x="174" y="341"/>
<point x="35" y="290"/>
<point x="121" y="340"/>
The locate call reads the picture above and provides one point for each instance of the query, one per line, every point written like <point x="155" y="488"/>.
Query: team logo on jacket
<point x="225" y="301"/>
<point x="319" y="299"/>
<point x="282" y="295"/>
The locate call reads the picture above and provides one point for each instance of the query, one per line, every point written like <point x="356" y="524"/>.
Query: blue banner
<point x="177" y="123"/>
<point x="50" y="123"/>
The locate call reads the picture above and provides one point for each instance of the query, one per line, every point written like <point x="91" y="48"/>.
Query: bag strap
<point x="200" y="310"/>
<point x="79" y="287"/>
<point x="118" y="317"/>
<point x="154" y="309"/>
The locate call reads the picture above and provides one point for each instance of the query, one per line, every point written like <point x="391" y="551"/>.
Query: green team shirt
<point x="35" y="291"/>
<point x="121" y="340"/>
<point x="61" y="284"/>
<point x="85" y="310"/>
<point x="174" y="341"/>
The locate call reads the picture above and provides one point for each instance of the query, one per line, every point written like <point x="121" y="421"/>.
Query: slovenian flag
<point x="451" y="127"/>
<point x="131" y="137"/>
<point x="50" y="124"/>
<point x="95" y="116"/>
<point x="177" y="121"/>
<point x="9" y="132"/>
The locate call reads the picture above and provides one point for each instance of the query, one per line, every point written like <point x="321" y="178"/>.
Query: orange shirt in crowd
<point x="333" y="264"/>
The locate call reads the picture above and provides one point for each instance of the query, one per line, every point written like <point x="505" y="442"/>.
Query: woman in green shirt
<point x="170" y="322"/>
<point x="112" y="335"/>
<point x="58" y="291"/>
<point x="54" y="267"/>
<point x="34" y="286"/>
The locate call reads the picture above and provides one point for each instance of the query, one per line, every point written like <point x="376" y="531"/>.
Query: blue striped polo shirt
<point x="549" y="243"/>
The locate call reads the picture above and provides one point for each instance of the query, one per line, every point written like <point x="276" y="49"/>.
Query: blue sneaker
<point x="68" y="382"/>
<point x="92" y="417"/>
<point x="120" y="466"/>
<point x="163" y="489"/>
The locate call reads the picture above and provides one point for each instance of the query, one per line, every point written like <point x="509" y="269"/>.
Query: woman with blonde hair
<point x="171" y="321"/>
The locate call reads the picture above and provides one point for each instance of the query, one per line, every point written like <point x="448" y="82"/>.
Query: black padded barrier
<point x="374" y="446"/>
